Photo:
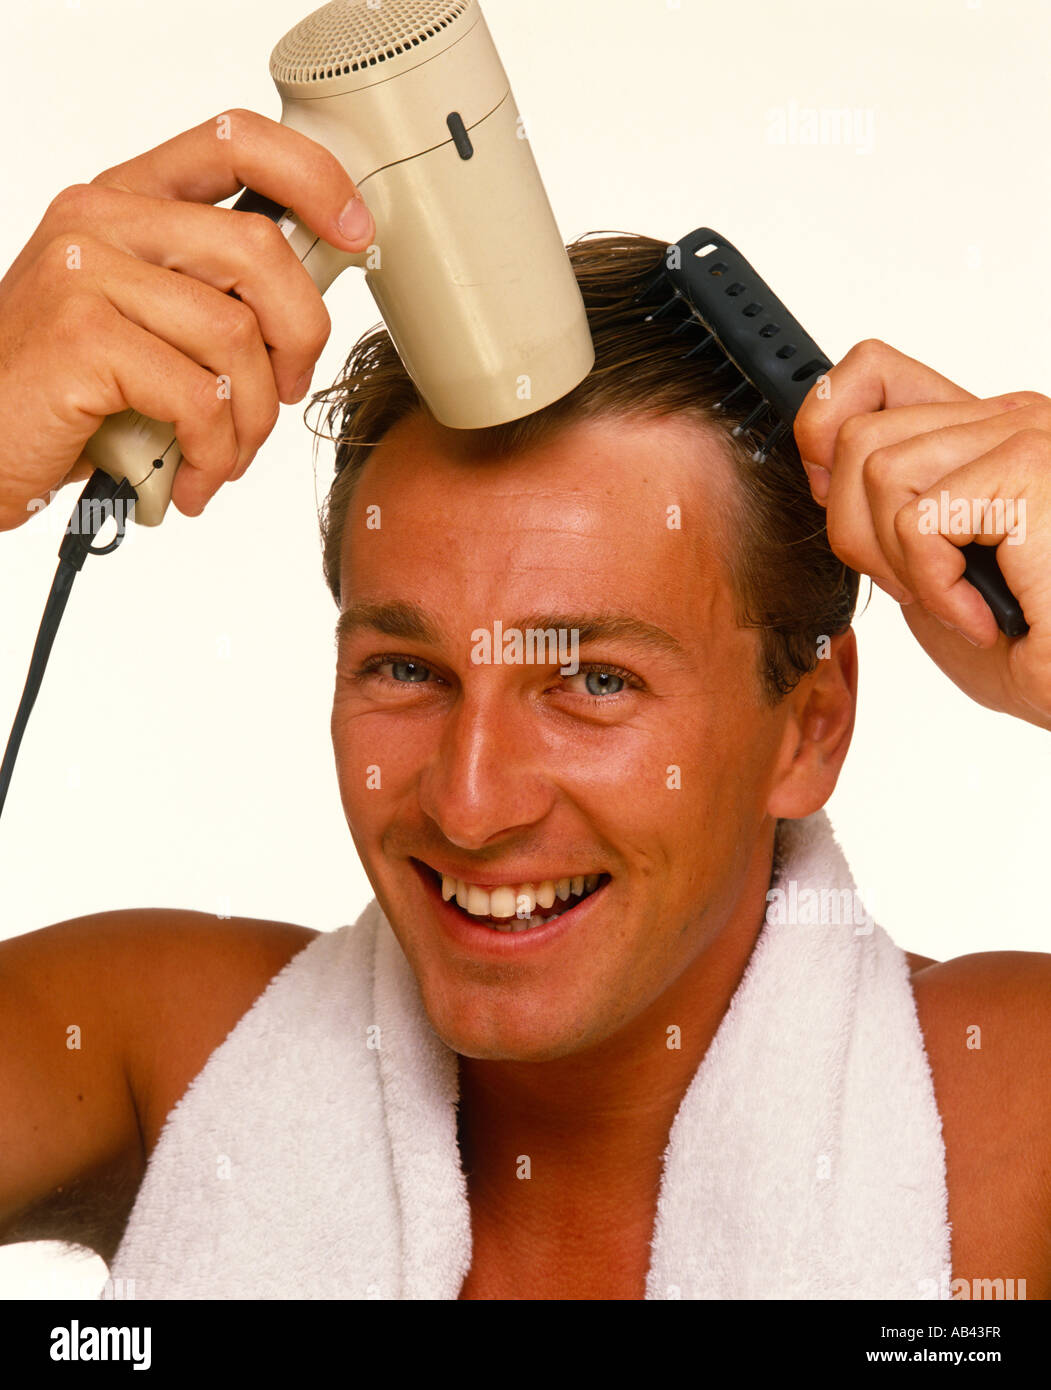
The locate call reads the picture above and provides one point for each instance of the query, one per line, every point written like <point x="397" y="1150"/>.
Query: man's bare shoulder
<point x="176" y="944"/>
<point x="190" y="977"/>
<point x="152" y="969"/>
<point x="986" y="1021"/>
<point x="1014" y="983"/>
<point x="174" y="982"/>
<point x="128" y="938"/>
<point x="991" y="1011"/>
<point x="152" y="992"/>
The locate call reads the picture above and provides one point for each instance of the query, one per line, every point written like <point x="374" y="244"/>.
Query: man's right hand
<point x="135" y="292"/>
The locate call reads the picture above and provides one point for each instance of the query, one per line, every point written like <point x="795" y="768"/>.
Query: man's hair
<point x="785" y="579"/>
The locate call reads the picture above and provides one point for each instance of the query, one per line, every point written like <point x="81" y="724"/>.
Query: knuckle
<point x="843" y="540"/>
<point x="853" y="435"/>
<point x="55" y="251"/>
<point x="880" y="466"/>
<point x="238" y="115"/>
<point x="1030" y="437"/>
<point x="869" y="350"/>
<point x="803" y="429"/>
<point x="78" y="317"/>
<point x="59" y="247"/>
<point x="1030" y="444"/>
<point x="233" y="123"/>
<point x="318" y="333"/>
<point x="207" y="402"/>
<point x="260" y="234"/>
<point x="906" y="525"/>
<point x="110" y="181"/>
<point x="1026" y="399"/>
<point x="239" y="326"/>
<point x="70" y="201"/>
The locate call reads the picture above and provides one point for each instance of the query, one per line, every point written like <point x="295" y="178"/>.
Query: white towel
<point x="315" y="1155"/>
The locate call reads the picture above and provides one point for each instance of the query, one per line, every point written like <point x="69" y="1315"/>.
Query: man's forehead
<point x="609" y="517"/>
<point x="632" y="468"/>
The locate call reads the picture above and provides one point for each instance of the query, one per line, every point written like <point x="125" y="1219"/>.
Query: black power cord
<point x="101" y="499"/>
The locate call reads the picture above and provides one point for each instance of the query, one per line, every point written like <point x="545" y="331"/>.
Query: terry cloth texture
<point x="315" y="1155"/>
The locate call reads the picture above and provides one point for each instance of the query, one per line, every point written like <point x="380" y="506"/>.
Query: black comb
<point x="714" y="289"/>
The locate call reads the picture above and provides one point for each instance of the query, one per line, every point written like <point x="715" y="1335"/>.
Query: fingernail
<point x="300" y="388"/>
<point x="820" y="480"/>
<point x="355" y="221"/>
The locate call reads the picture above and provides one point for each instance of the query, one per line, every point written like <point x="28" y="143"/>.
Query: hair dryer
<point x="468" y="270"/>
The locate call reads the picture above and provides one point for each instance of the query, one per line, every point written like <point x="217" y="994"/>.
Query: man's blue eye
<point x="417" y="672"/>
<point x="601" y="681"/>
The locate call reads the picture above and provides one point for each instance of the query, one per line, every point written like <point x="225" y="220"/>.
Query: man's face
<point x="651" y="766"/>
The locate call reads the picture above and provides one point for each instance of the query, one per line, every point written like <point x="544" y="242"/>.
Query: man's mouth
<point x="516" y="907"/>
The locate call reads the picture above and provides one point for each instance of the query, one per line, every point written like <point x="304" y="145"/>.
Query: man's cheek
<point x="360" y="760"/>
<point x="375" y="764"/>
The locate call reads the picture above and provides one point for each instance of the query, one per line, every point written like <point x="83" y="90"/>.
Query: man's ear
<point x="818" y="728"/>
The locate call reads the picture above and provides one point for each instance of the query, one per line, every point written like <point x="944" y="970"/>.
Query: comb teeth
<point x="751" y="419"/>
<point x="690" y="318"/>
<point x="709" y="282"/>
<point x="663" y="308"/>
<point x="649" y="286"/>
<point x="763" y="419"/>
<point x="763" y="415"/>
<point x="775" y="434"/>
<point x="742" y="385"/>
<point x="699" y="347"/>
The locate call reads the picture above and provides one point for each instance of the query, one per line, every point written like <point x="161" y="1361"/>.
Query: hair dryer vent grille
<point x="351" y="36"/>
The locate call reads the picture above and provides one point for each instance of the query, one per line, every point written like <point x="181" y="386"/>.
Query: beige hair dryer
<point x="468" y="269"/>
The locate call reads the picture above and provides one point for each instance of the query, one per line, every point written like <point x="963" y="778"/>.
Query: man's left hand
<point x="911" y="467"/>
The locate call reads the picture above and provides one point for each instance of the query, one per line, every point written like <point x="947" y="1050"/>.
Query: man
<point x="710" y="704"/>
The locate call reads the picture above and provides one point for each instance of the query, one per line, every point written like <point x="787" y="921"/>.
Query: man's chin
<point x="500" y="1033"/>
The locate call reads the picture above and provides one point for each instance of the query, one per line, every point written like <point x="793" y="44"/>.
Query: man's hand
<point x="911" y="467"/>
<point x="136" y="292"/>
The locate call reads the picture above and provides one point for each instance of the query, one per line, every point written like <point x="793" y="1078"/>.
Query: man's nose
<point x="485" y="778"/>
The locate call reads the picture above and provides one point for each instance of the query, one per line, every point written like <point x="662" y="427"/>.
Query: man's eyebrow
<point x="411" y="622"/>
<point x="606" y="627"/>
<point x="395" y="618"/>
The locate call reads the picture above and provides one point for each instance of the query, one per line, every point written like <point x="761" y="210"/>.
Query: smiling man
<point x="653" y="777"/>
<point x="568" y="1052"/>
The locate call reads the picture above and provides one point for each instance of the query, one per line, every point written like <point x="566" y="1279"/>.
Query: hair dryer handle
<point x="144" y="451"/>
<point x="130" y="445"/>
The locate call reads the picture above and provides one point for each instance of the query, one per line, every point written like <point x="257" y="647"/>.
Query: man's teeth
<point x="515" y="903"/>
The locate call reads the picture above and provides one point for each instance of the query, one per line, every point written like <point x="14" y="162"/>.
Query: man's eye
<point x="598" y="681"/>
<point x="408" y="671"/>
<point x="402" y="671"/>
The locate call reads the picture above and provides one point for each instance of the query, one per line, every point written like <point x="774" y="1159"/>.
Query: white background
<point x="157" y="770"/>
